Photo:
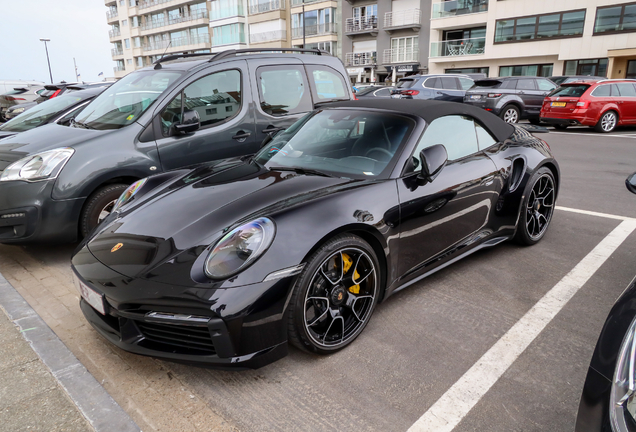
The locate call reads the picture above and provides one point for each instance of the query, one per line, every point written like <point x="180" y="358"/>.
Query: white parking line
<point x="593" y="135"/>
<point x="592" y="213"/>
<point x="455" y="404"/>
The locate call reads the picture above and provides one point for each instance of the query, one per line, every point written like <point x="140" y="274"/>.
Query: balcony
<point x="261" y="6"/>
<point x="362" y="25"/>
<point x="361" y="59"/>
<point x="459" y="47"/>
<point x="401" y="55"/>
<point x="270" y="36"/>
<point x="404" y="19"/>
<point x="179" y="42"/>
<point x="117" y="52"/>
<point x="111" y="15"/>
<point x="149" y="25"/>
<point x="315" y="30"/>
<point x="295" y="3"/>
<point x="114" y="33"/>
<point x="459" y="7"/>
<point x="110" y="2"/>
<point x="119" y="68"/>
<point x="157" y="4"/>
<point x="226" y="9"/>
<point x="229" y="39"/>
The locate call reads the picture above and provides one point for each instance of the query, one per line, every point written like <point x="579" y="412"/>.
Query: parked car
<point x="511" y="98"/>
<point x="558" y="80"/>
<point x="60" y="110"/>
<point x="448" y="87"/>
<point x="299" y="243"/>
<point x="608" y="400"/>
<point x="54" y="90"/>
<point x="58" y="182"/>
<point x="8" y="85"/>
<point x="18" y="95"/>
<point x="16" y="110"/>
<point x="603" y="105"/>
<point x="375" y="91"/>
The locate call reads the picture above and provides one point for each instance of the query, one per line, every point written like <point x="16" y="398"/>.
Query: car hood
<point x="188" y="215"/>
<point x="40" y="139"/>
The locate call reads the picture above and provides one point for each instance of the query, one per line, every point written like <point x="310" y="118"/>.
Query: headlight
<point x="17" y="110"/>
<point x="129" y="193"/>
<point x="239" y="248"/>
<point x="39" y="166"/>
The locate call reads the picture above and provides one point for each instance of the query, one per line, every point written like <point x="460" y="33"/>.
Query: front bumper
<point x="240" y="327"/>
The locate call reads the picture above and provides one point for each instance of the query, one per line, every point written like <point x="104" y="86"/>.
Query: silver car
<point x="17" y="96"/>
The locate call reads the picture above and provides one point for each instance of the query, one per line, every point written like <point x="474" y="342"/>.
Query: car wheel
<point x="537" y="207"/>
<point x="607" y="122"/>
<point x="98" y="206"/>
<point x="510" y="114"/>
<point x="561" y="126"/>
<point x="334" y="296"/>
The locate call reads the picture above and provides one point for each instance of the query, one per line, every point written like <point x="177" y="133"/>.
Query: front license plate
<point x="557" y="104"/>
<point x="91" y="296"/>
<point x="475" y="97"/>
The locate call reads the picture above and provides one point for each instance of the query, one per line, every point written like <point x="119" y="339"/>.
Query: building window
<point x="134" y="21"/>
<point x="404" y="49"/>
<point x="127" y="43"/>
<point x="228" y="34"/>
<point x="537" y="27"/>
<point x="129" y="61"/>
<point x="132" y="3"/>
<point x="329" y="46"/>
<point x="615" y="19"/>
<point x="543" y="70"/>
<point x="591" y="67"/>
<point x="475" y="70"/>
<point x="122" y="2"/>
<point x="316" y="22"/>
<point x="124" y="23"/>
<point x="140" y="61"/>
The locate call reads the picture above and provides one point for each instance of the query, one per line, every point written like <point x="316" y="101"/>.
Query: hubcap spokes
<point x="540" y="207"/>
<point x="608" y="122"/>
<point x="510" y="116"/>
<point x="108" y="208"/>
<point x="340" y="297"/>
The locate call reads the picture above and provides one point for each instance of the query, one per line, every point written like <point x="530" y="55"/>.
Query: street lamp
<point x="47" y="56"/>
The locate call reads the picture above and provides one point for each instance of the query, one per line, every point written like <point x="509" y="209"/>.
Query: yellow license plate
<point x="558" y="104"/>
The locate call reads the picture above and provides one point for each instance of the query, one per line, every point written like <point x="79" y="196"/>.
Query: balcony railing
<point x="119" y="68"/>
<point x="361" y="24"/>
<point x="459" y="7"/>
<point x="400" y="55"/>
<point x="300" y="2"/>
<point x="226" y="8"/>
<point x="458" y="47"/>
<point x="116" y="52"/>
<point x="111" y="14"/>
<point x="148" y="25"/>
<point x="315" y="30"/>
<point x="361" y="59"/>
<point x="145" y="4"/>
<point x="261" y="6"/>
<point x="270" y="36"/>
<point x="227" y="39"/>
<point x="114" y="33"/>
<point x="190" y="40"/>
<point x="403" y="18"/>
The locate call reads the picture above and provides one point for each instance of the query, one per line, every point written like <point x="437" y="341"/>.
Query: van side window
<point x="283" y="90"/>
<point x="327" y="83"/>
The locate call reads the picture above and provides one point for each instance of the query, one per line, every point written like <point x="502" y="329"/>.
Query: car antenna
<point x="158" y="65"/>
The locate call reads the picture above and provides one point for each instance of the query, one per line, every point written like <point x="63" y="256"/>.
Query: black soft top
<point x="430" y="110"/>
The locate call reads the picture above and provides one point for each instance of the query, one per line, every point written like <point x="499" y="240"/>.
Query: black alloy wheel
<point x="538" y="207"/>
<point x="99" y="205"/>
<point x="334" y="296"/>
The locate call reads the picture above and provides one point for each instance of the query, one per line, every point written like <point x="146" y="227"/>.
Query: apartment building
<point x="534" y="38"/>
<point x="385" y="39"/>
<point x="143" y="30"/>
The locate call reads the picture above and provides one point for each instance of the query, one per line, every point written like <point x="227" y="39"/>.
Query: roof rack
<point x="616" y="79"/>
<point x="178" y="56"/>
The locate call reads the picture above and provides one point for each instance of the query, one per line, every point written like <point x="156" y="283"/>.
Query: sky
<point x="77" y="28"/>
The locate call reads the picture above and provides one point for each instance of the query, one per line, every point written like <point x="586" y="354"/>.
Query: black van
<point x="58" y="182"/>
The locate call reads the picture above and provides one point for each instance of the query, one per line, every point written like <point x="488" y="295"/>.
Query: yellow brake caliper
<point x="348" y="262"/>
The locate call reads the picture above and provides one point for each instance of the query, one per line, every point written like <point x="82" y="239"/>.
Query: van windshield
<point x="126" y="100"/>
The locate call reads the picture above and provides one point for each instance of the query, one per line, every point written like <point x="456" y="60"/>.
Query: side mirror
<point x="630" y="182"/>
<point x="433" y="160"/>
<point x="189" y="123"/>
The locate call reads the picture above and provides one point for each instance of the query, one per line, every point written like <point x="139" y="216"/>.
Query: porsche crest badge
<point x="117" y="247"/>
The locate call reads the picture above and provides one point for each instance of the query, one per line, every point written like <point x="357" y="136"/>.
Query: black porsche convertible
<point x="224" y="263"/>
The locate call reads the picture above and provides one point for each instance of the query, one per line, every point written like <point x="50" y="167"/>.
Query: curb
<point x="92" y="400"/>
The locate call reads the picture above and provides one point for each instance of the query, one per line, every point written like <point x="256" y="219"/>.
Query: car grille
<point x="182" y="339"/>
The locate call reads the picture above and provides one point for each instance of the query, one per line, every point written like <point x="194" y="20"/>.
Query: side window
<point x="466" y="83"/>
<point x="614" y="90"/>
<point x="545" y="85"/>
<point x="626" y="89"/>
<point x="602" y="91"/>
<point x="510" y="84"/>
<point x="449" y="83"/>
<point x="456" y="133"/>
<point x="283" y="90"/>
<point x="327" y="83"/>
<point x="216" y="97"/>
<point x="432" y="83"/>
<point x="484" y="138"/>
<point x="383" y="92"/>
<point x="525" y="84"/>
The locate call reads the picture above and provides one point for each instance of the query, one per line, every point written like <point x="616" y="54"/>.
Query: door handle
<point x="522" y="92"/>
<point x="271" y="129"/>
<point x="241" y="135"/>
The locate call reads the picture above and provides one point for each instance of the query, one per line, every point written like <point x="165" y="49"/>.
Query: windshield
<point x="125" y="101"/>
<point x="343" y="143"/>
<point x="570" y="90"/>
<point x="40" y="113"/>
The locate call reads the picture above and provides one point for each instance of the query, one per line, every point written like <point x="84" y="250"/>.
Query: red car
<point x="602" y="105"/>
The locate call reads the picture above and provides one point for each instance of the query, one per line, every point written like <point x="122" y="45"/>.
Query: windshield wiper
<point x="82" y="125"/>
<point x="305" y="171"/>
<point x="330" y="100"/>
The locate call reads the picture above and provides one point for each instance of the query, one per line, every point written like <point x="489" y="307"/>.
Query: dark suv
<point x="446" y="87"/>
<point x="511" y="98"/>
<point x="58" y="182"/>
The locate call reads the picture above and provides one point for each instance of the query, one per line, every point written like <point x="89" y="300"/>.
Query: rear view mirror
<point x="189" y="123"/>
<point x="630" y="182"/>
<point x="433" y="160"/>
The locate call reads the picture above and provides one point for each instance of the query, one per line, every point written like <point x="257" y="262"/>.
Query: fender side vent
<point x="518" y="168"/>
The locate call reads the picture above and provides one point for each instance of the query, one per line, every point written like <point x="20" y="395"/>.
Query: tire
<point x="510" y="114"/>
<point x="537" y="207"/>
<point x="324" y="315"/>
<point x="561" y="126"/>
<point x="99" y="202"/>
<point x="607" y="122"/>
